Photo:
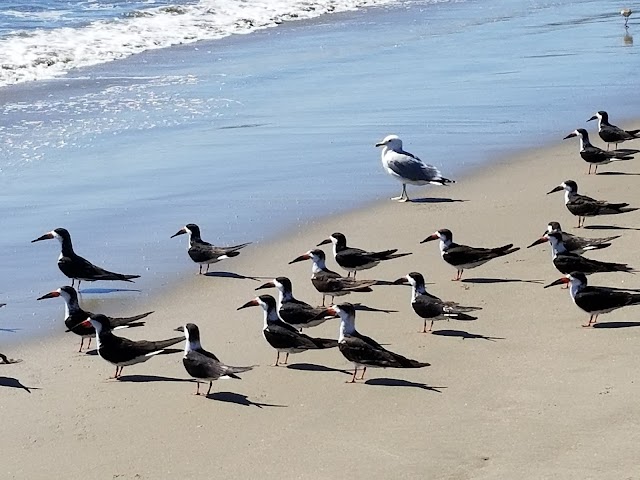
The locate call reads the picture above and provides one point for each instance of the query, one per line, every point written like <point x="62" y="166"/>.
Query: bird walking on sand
<point x="122" y="352"/>
<point x="596" y="300"/>
<point x="576" y="244"/>
<point x="582" y="206"/>
<point x="463" y="257"/>
<point x="329" y="282"/>
<point x="407" y="168"/>
<point x="595" y="156"/>
<point x="612" y="134"/>
<point x="364" y="351"/>
<point x="626" y="13"/>
<point x="77" y="320"/>
<point x="204" y="253"/>
<point x="201" y="365"/>
<point x="567" y="262"/>
<point x="430" y="307"/>
<point x="74" y="266"/>
<point x="355" y="259"/>
<point x="280" y="335"/>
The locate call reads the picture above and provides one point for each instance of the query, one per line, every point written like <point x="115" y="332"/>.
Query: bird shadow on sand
<point x="239" y="399"/>
<point x="10" y="330"/>
<point x="15" y="383"/>
<point x="395" y="382"/>
<point x="95" y="291"/>
<point x="235" y="276"/>
<point x="608" y="227"/>
<point x="435" y="200"/>
<point x="500" y="280"/>
<point x="616" y="325"/>
<point x="617" y="173"/>
<point x="312" y="367"/>
<point x="92" y="353"/>
<point x="464" y="335"/>
<point x="364" y="308"/>
<point x="151" y="378"/>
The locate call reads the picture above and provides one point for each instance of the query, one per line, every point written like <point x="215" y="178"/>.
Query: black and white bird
<point x="430" y="307"/>
<point x="282" y="336"/>
<point x="612" y="134"/>
<point x="74" y="266"/>
<point x="201" y="365"/>
<point x="204" y="253"/>
<point x="567" y="262"/>
<point x="596" y="156"/>
<point x="577" y="244"/>
<point x="295" y="312"/>
<point x="329" y="282"/>
<point x="364" y="351"/>
<point x="354" y="259"/>
<point x="122" y="352"/>
<point x="596" y="300"/>
<point x="582" y="206"/>
<point x="463" y="257"/>
<point x="77" y="320"/>
<point x="407" y="168"/>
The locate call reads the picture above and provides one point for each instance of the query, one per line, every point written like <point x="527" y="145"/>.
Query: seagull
<point x="354" y="259"/>
<point x="291" y="310"/>
<point x="582" y="206"/>
<point x="75" y="318"/>
<point x="363" y="351"/>
<point x="596" y="156"/>
<point x="203" y="365"/>
<point x="626" y="13"/>
<point x="596" y="300"/>
<point x="74" y="266"/>
<point x="577" y="244"/>
<point x="567" y="262"/>
<point x="328" y="282"/>
<point x="430" y="307"/>
<point x="407" y="168"/>
<point x="462" y="256"/>
<point x="612" y="134"/>
<point x="282" y="336"/>
<point x="204" y="253"/>
<point x="122" y="352"/>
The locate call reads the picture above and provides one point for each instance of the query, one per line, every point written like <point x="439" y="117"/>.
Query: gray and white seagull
<point x="407" y="168"/>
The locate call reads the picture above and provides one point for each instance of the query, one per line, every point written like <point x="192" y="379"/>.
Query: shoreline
<point x="525" y="370"/>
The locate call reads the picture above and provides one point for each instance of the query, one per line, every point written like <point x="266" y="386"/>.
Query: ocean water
<point x="124" y="120"/>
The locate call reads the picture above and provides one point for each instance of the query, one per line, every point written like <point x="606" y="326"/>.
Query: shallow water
<point x="252" y="134"/>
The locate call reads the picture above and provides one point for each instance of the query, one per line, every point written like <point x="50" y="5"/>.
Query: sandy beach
<point x="523" y="392"/>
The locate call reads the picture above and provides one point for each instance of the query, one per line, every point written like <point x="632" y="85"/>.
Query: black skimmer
<point x="430" y="307"/>
<point x="355" y="259"/>
<point x="595" y="156"/>
<point x="363" y="351"/>
<point x="328" y="282"/>
<point x="582" y="206"/>
<point x="291" y="310"/>
<point x="626" y="13"/>
<point x="204" y="253"/>
<point x="407" y="168"/>
<point x="577" y="244"/>
<point x="567" y="262"/>
<point x="612" y="134"/>
<point x="282" y="336"/>
<point x="596" y="300"/>
<point x="204" y="366"/>
<point x="122" y="352"/>
<point x="463" y="257"/>
<point x="76" y="319"/>
<point x="74" y="266"/>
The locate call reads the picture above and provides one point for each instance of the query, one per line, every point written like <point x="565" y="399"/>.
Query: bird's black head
<point x="554" y="226"/>
<point x="417" y="278"/>
<point x="579" y="276"/>
<point x="571" y="185"/>
<point x="285" y="282"/>
<point x="101" y="323"/>
<point x="191" y="332"/>
<point x="347" y="308"/>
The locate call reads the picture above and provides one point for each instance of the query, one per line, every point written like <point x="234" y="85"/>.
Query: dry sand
<point x="528" y="393"/>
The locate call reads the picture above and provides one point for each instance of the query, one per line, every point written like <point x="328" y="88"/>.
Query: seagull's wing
<point x="412" y="168"/>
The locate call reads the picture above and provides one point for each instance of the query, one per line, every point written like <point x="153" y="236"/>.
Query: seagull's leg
<point x="404" y="197"/>
<point x="424" y="326"/>
<point x="197" y="388"/>
<point x="89" y="344"/>
<point x="431" y="326"/>
<point x="277" y="358"/>
<point x="208" y="265"/>
<point x="209" y="391"/>
<point x="589" y="324"/>
<point x="595" y="319"/>
<point x="364" y="370"/>
<point x="200" y="270"/>
<point x="81" y="343"/>
<point x="401" y="195"/>
<point x="595" y="170"/>
<point x="353" y="379"/>
<point x="286" y="358"/>
<point x="354" y="274"/>
<point x="589" y="173"/>
<point x="73" y="281"/>
<point x="79" y="285"/>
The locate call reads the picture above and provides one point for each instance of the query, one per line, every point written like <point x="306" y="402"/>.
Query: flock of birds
<point x="285" y="318"/>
